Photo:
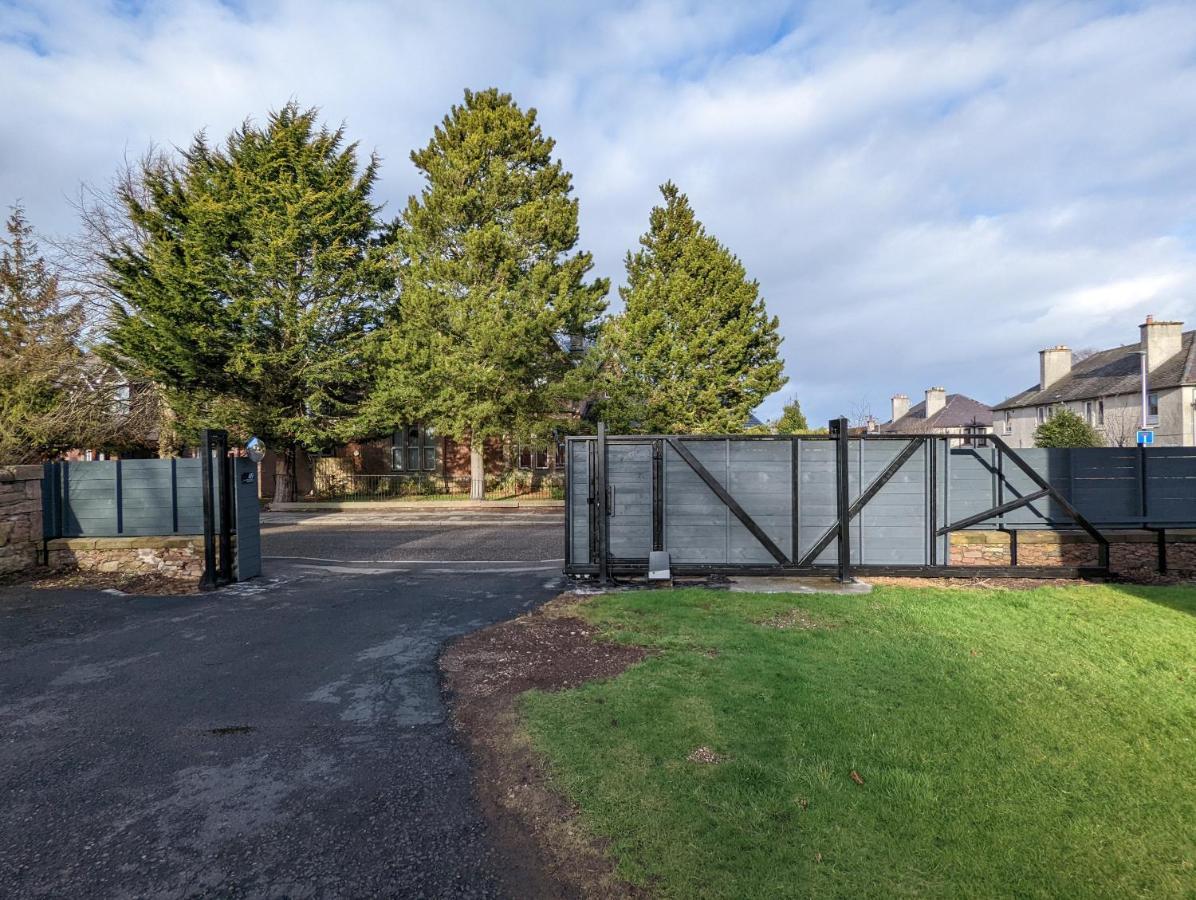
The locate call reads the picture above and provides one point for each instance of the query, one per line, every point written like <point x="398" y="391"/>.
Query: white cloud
<point x="927" y="194"/>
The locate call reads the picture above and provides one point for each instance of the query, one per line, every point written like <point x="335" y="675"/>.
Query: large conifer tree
<point x="694" y="349"/>
<point x="43" y="401"/>
<point x="491" y="287"/>
<point x="260" y="276"/>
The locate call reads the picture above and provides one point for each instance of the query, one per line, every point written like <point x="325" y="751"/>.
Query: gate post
<point x="215" y="441"/>
<point x="603" y="501"/>
<point x="838" y="432"/>
<point x="208" y="581"/>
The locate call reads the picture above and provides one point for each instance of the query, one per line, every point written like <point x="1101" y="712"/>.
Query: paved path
<point x="279" y="738"/>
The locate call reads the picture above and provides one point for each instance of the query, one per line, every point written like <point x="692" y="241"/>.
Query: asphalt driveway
<point x="285" y="737"/>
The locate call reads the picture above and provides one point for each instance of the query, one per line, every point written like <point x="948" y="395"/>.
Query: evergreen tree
<point x="695" y="349"/>
<point x="792" y="420"/>
<point x="491" y="287"/>
<point x="45" y="401"/>
<point x="1065" y="428"/>
<point x="260" y="275"/>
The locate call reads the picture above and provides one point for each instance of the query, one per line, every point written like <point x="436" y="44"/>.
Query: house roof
<point x="958" y="412"/>
<point x="1111" y="372"/>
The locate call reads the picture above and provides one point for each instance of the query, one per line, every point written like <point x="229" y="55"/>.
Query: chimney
<point x="936" y="399"/>
<point x="1053" y="363"/>
<point x="1160" y="340"/>
<point x="900" y="405"/>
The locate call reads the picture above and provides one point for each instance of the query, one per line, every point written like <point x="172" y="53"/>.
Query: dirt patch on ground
<point x="795" y="618"/>
<point x="706" y="756"/>
<point x="148" y="585"/>
<point x="485" y="672"/>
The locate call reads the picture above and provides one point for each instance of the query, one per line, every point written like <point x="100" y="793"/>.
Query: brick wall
<point x="20" y="517"/>
<point x="1131" y="553"/>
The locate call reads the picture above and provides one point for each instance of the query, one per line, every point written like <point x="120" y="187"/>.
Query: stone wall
<point x="20" y="517"/>
<point x="1131" y="553"/>
<point x="21" y="541"/>
<point x="172" y="557"/>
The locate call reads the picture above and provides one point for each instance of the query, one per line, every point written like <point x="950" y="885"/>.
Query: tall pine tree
<point x="49" y="398"/>
<point x="491" y="285"/>
<point x="694" y="349"/>
<point x="792" y="420"/>
<point x="261" y="275"/>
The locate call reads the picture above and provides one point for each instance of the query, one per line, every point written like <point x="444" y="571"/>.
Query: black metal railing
<point x="425" y="486"/>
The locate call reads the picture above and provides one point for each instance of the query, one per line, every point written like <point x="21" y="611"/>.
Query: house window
<point x="415" y="449"/>
<point x="974" y="436"/>
<point x="1008" y="424"/>
<point x="1100" y="412"/>
<point x="1043" y="413"/>
<point x="538" y="458"/>
<point x="1152" y="408"/>
<point x="531" y="458"/>
<point x="1090" y="412"/>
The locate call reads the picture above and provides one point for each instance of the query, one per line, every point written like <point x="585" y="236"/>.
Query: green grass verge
<point x="1030" y="744"/>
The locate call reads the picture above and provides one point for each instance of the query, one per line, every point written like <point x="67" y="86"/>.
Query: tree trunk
<point x="168" y="437"/>
<point x="477" y="469"/>
<point x="284" y="476"/>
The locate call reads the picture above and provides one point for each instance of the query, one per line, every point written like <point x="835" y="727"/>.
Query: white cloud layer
<point x="928" y="194"/>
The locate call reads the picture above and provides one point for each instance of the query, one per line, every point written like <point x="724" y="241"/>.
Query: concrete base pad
<point x="782" y="585"/>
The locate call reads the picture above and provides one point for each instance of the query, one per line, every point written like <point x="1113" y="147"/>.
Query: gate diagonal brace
<point x="995" y="511"/>
<point x="872" y="490"/>
<point x="1102" y="543"/>
<point x="736" y="510"/>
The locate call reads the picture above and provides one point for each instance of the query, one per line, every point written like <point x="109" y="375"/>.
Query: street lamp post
<point x="1142" y="359"/>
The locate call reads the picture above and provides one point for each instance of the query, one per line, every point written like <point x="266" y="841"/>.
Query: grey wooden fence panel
<point x="89" y="499"/>
<point x="1054" y="466"/>
<point x="891" y="528"/>
<point x="188" y="474"/>
<point x="970" y="482"/>
<point x="816" y="496"/>
<point x="155" y="496"/>
<point x="1105" y="483"/>
<point x="629" y="474"/>
<point x="1171" y="484"/>
<point x="760" y="478"/>
<point x="579" y="506"/>
<point x="147" y="497"/>
<point x="695" y="520"/>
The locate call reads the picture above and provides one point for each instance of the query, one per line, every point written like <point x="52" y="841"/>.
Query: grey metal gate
<point x="840" y="502"/>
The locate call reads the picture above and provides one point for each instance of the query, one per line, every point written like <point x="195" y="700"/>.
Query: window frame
<point x="1152" y="408"/>
<point x="1007" y="426"/>
<point x="426" y="448"/>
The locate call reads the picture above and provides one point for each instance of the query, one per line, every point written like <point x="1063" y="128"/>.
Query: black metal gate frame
<point x="603" y="565"/>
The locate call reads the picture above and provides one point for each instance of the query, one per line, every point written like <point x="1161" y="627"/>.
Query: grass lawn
<point x="1029" y="744"/>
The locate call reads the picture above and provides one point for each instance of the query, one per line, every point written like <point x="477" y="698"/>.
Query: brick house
<point x="1105" y="388"/>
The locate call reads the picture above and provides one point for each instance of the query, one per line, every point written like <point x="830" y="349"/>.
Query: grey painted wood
<point x="247" y="562"/>
<point x="629" y="475"/>
<point x="578" y="462"/>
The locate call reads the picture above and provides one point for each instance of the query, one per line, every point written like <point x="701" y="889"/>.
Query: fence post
<point x="600" y="499"/>
<point x="838" y="431"/>
<point x="225" y="474"/>
<point x="208" y="581"/>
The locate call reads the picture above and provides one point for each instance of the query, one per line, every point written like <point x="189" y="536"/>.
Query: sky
<point x="928" y="193"/>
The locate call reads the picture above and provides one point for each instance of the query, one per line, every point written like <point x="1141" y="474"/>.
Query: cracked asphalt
<point x="281" y="738"/>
